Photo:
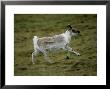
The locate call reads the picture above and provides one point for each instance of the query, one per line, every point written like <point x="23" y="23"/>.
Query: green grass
<point x="26" y="26"/>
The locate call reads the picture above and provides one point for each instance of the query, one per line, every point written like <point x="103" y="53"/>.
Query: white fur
<point x="60" y="41"/>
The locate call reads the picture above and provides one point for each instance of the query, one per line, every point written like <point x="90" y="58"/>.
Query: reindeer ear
<point x="69" y="26"/>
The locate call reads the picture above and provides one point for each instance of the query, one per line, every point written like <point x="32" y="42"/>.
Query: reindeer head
<point x="73" y="31"/>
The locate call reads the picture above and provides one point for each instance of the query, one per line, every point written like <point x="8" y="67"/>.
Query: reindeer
<point x="60" y="41"/>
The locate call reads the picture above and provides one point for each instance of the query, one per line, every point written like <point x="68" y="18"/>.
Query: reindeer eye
<point x="73" y="31"/>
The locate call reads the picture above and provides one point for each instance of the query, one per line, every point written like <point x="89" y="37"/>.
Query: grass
<point x="28" y="25"/>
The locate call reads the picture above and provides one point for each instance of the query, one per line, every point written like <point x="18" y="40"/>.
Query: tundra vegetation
<point x="28" y="25"/>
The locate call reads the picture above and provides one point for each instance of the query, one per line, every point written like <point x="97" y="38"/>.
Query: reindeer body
<point x="60" y="41"/>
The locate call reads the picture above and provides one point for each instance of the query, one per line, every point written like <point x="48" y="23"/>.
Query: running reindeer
<point x="60" y="41"/>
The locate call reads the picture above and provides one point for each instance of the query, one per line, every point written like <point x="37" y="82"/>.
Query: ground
<point x="28" y="25"/>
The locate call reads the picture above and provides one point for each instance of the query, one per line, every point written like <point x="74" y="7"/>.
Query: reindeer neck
<point x="67" y="36"/>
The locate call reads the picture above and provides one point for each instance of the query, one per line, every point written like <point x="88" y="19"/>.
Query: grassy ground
<point x="26" y="26"/>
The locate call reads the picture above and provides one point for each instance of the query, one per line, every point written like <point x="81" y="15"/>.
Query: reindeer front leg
<point x="72" y="50"/>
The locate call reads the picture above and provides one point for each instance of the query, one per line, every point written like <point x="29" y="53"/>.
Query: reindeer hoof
<point x="78" y="54"/>
<point x="67" y="57"/>
<point x="33" y="63"/>
<point x="51" y="62"/>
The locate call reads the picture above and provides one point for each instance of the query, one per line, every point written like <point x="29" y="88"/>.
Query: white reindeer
<point x="60" y="41"/>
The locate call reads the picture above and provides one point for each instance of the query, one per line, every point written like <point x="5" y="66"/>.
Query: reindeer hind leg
<point x="46" y="56"/>
<point x="33" y="55"/>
